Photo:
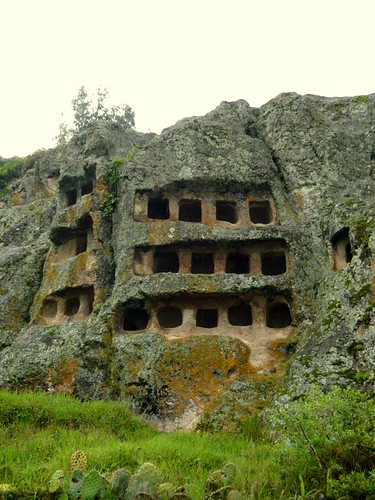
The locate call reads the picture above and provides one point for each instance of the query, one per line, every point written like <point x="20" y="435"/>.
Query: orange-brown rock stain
<point x="61" y="377"/>
<point x="79" y="273"/>
<point x="17" y="199"/>
<point x="101" y="186"/>
<point x="197" y="369"/>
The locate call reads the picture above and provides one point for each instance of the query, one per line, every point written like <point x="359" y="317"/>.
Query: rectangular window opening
<point x="240" y="315"/>
<point x="207" y="318"/>
<point x="158" y="208"/>
<point x="260" y="212"/>
<point x="190" y="210"/>
<point x="278" y="315"/>
<point x="72" y="305"/>
<point x="169" y="317"/>
<point x="202" y="263"/>
<point x="166" y="262"/>
<point x="226" y="211"/>
<point x="135" y="319"/>
<point x="273" y="263"/>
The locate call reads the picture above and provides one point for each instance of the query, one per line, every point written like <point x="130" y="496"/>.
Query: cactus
<point x="56" y="482"/>
<point x="145" y="484"/>
<point x="219" y="494"/>
<point x="230" y="472"/>
<point x="91" y="485"/>
<point x="120" y="483"/>
<point x="165" y="491"/>
<point x="215" y="481"/>
<point x="77" y="461"/>
<point x="218" y="484"/>
<point x="106" y="490"/>
<point x="146" y="480"/>
<point x="75" y="485"/>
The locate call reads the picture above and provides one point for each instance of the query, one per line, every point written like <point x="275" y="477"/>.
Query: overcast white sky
<point x="169" y="59"/>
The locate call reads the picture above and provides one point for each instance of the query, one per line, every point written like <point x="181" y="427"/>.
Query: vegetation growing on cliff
<point x="89" y="109"/>
<point x="10" y="169"/>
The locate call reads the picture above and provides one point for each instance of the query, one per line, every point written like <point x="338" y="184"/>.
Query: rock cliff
<point x="197" y="274"/>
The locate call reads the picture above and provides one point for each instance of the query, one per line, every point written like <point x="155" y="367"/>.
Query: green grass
<point x="39" y="432"/>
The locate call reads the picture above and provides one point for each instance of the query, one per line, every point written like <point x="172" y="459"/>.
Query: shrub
<point x="9" y="170"/>
<point x="336" y="431"/>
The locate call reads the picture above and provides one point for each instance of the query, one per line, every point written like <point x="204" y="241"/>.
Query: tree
<point x="92" y="109"/>
<point x="82" y="107"/>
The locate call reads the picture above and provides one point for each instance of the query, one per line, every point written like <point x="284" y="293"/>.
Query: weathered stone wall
<point x="236" y="265"/>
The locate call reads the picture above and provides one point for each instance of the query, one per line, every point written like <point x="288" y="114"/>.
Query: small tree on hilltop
<point x="92" y="109"/>
<point x="83" y="113"/>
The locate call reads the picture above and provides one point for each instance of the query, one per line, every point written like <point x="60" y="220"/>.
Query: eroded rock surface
<point x="199" y="273"/>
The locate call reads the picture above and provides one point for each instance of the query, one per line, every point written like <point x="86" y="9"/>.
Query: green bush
<point x="10" y="170"/>
<point x="331" y="432"/>
<point x="353" y="486"/>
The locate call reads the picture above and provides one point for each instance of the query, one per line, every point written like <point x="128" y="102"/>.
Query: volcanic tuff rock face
<point x="236" y="264"/>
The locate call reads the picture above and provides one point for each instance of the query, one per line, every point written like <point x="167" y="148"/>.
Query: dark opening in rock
<point x="49" y="309"/>
<point x="273" y="263"/>
<point x="72" y="305"/>
<point x="87" y="188"/>
<point x="342" y="249"/>
<point x="166" y="262"/>
<point x="202" y="263"/>
<point x="260" y="212"/>
<point x="158" y="208"/>
<point x="169" y="317"/>
<point x="207" y="318"/>
<point x="278" y="315"/>
<point x="348" y="252"/>
<point x="190" y="210"/>
<point x="226" y="211"/>
<point x="237" y="263"/>
<point x="71" y="197"/>
<point x="135" y="319"/>
<point x="81" y="244"/>
<point x="240" y="315"/>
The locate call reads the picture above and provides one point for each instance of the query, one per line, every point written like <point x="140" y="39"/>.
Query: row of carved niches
<point x="227" y="210"/>
<point x="71" y="304"/>
<point x="71" y="242"/>
<point x="268" y="257"/>
<point x="257" y="321"/>
<point x="342" y="250"/>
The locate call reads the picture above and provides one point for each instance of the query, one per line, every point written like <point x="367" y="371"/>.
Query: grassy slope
<point x="328" y="446"/>
<point x="39" y="432"/>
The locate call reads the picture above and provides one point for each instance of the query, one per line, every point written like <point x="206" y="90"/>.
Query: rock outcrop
<point x="200" y="273"/>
